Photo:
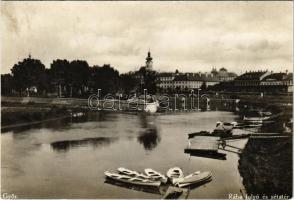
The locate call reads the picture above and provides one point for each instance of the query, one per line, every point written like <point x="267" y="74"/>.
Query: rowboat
<point x="174" y="173"/>
<point x="255" y="119"/>
<point x="194" y="178"/>
<point x="176" y="193"/>
<point x="151" y="107"/>
<point x="131" y="180"/>
<point x="175" y="181"/>
<point x="147" y="105"/>
<point x="155" y="175"/>
<point x="132" y="173"/>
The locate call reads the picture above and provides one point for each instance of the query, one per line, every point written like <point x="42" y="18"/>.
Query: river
<point x="67" y="158"/>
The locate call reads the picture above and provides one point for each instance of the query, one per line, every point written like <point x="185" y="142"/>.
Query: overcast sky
<point x="189" y="36"/>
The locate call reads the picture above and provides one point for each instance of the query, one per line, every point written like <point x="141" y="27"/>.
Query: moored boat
<point x="149" y="105"/>
<point x="255" y="119"/>
<point x="155" y="175"/>
<point x="174" y="173"/>
<point x="132" y="173"/>
<point x="132" y="180"/>
<point x="194" y="178"/>
<point x="175" y="181"/>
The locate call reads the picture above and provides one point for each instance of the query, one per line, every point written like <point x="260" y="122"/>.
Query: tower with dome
<point x="149" y="61"/>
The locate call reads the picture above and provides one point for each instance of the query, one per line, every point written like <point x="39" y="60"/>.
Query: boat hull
<point x="155" y="175"/>
<point x="194" y="179"/>
<point x="131" y="180"/>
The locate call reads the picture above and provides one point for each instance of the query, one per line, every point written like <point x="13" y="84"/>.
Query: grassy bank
<point x="16" y="112"/>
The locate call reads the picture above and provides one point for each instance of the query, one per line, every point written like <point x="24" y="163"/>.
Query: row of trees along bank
<point x="73" y="79"/>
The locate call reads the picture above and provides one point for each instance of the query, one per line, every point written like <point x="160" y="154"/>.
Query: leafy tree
<point x="78" y="77"/>
<point x="128" y="82"/>
<point x="27" y="73"/>
<point x="60" y="75"/>
<point x="105" y="78"/>
<point x="150" y="79"/>
<point x="6" y="84"/>
<point x="203" y="86"/>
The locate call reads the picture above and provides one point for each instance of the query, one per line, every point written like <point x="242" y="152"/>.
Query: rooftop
<point x="278" y="77"/>
<point x="196" y="77"/>
<point x="251" y="75"/>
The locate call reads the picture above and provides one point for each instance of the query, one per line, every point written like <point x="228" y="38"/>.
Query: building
<point x="223" y="74"/>
<point x="148" y="66"/>
<point x="250" y="81"/>
<point x="149" y="61"/>
<point x="259" y="82"/>
<point x="166" y="80"/>
<point x="185" y="81"/>
<point x="188" y="81"/>
<point x="277" y="83"/>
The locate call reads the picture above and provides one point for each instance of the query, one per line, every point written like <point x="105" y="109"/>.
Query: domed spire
<point x="149" y="60"/>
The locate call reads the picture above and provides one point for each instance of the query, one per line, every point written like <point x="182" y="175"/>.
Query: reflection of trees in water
<point x="149" y="137"/>
<point x="95" y="142"/>
<point x="266" y="166"/>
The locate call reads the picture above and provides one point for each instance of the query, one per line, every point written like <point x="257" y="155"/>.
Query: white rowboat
<point x="132" y="173"/>
<point x="194" y="179"/>
<point x="131" y="180"/>
<point x="174" y="173"/>
<point x="155" y="175"/>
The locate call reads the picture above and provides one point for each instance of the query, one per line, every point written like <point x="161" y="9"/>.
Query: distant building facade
<point x="259" y="82"/>
<point x="187" y="81"/>
<point x="166" y="80"/>
<point x="223" y="74"/>
<point x="250" y="81"/>
<point x="277" y="82"/>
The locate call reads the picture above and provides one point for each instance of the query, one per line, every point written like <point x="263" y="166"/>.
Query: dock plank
<point x="203" y="143"/>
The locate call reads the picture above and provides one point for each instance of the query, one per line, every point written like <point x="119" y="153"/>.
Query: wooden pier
<point x="203" y="143"/>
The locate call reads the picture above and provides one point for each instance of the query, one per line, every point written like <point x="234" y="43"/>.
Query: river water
<point x="67" y="158"/>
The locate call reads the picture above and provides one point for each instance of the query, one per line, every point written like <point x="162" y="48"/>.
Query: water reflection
<point x="57" y="123"/>
<point x="68" y="144"/>
<point x="212" y="155"/>
<point x="153" y="190"/>
<point x="150" y="136"/>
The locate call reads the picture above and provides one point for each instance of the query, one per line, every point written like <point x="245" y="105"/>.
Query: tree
<point x="6" y="84"/>
<point x="28" y="73"/>
<point x="78" y="77"/>
<point x="203" y="86"/>
<point x="127" y="82"/>
<point x="149" y="80"/>
<point x="105" y="78"/>
<point x="60" y="76"/>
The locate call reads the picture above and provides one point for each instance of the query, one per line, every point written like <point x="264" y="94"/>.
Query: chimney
<point x="286" y="72"/>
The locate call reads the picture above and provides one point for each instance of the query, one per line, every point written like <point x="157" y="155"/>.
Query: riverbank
<point x="266" y="167"/>
<point x="18" y="112"/>
<point x="21" y="111"/>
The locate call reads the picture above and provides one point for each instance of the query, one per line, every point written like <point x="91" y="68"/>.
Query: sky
<point x="190" y="36"/>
